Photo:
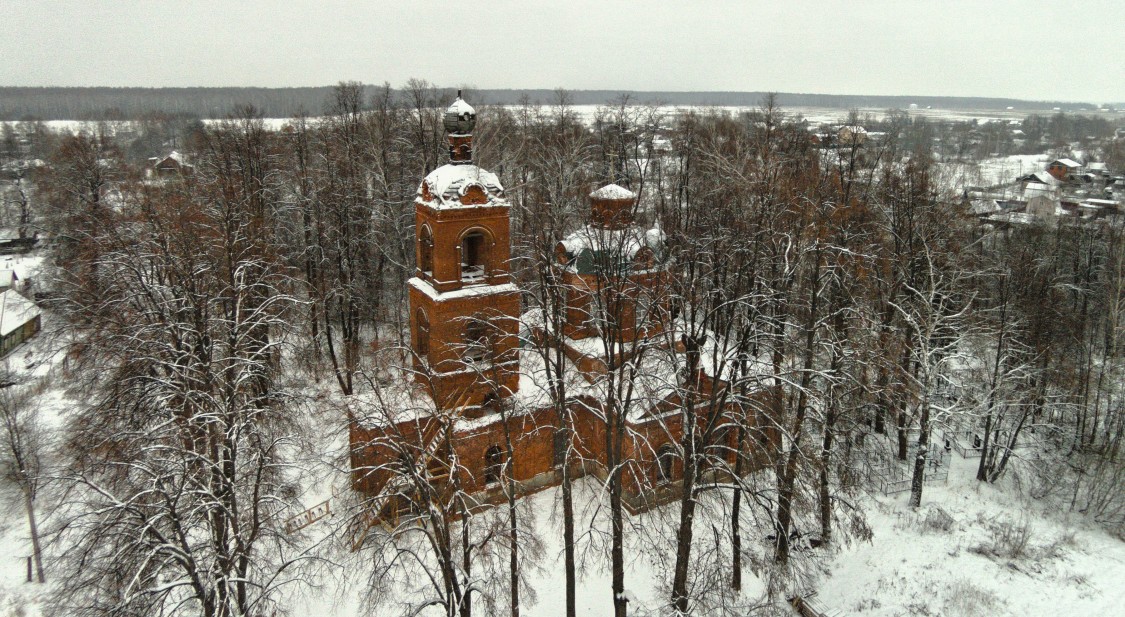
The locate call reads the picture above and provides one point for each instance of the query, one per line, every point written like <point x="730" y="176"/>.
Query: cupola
<point x="459" y="120"/>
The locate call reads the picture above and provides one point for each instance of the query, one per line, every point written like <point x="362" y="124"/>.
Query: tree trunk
<point x="923" y="451"/>
<point x="36" y="549"/>
<point x="736" y="507"/>
<point x="787" y="477"/>
<point x="513" y="527"/>
<point x="684" y="535"/>
<point x="568" y="534"/>
<point x="982" y="466"/>
<point x="825" y="468"/>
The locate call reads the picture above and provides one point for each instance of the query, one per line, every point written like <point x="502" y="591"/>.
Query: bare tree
<point x="22" y="457"/>
<point x="180" y="473"/>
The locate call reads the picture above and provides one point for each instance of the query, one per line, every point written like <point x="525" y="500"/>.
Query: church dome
<point x="460" y="117"/>
<point x="452" y="186"/>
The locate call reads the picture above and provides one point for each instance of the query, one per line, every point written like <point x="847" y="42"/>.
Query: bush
<point x="964" y="599"/>
<point x="938" y="520"/>
<point x="1006" y="539"/>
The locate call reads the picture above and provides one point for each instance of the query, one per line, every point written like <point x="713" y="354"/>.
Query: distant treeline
<point x="18" y="103"/>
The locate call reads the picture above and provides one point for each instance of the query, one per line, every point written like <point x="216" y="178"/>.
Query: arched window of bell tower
<point x="475" y="248"/>
<point x="422" y="336"/>
<point x="426" y="250"/>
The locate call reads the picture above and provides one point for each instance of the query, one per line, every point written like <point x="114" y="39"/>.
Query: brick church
<point x="476" y="386"/>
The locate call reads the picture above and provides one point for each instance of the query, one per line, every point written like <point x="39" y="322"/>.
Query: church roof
<point x="459" y="106"/>
<point x="460" y="118"/>
<point x="613" y="192"/>
<point x="447" y="184"/>
<point x="583" y="247"/>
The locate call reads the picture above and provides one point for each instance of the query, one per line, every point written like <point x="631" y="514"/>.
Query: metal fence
<point x="891" y="476"/>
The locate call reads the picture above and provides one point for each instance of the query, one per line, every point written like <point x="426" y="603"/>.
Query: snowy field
<point x="821" y="115"/>
<point x="815" y="115"/>
<point x="990" y="172"/>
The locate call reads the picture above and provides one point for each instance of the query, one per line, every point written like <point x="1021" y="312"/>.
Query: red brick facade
<point x="464" y="325"/>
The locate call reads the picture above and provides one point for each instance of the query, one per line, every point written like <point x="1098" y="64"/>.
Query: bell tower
<point x="463" y="305"/>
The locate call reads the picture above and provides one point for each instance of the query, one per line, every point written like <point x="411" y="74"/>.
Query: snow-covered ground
<point x="912" y="567"/>
<point x="17" y="597"/>
<point x="815" y="115"/>
<point x="35" y="362"/>
<point x="823" y="115"/>
<point x="990" y="172"/>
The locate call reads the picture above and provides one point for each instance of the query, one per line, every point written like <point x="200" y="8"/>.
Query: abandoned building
<point x="477" y="379"/>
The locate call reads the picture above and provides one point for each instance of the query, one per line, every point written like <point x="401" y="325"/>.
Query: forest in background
<point x="103" y="103"/>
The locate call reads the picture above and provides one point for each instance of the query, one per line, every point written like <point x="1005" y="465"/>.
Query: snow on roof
<point x="459" y="107"/>
<point x="1067" y="162"/>
<point x="175" y="156"/>
<point x="8" y="278"/>
<point x="613" y="192"/>
<point x="983" y="206"/>
<point x="1042" y="177"/>
<point x="15" y="311"/>
<point x="465" y="292"/>
<point x="1016" y="218"/>
<point x="1096" y="166"/>
<point x="625" y="241"/>
<point x="448" y="183"/>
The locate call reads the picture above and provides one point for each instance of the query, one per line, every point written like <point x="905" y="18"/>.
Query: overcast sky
<point x="1004" y="48"/>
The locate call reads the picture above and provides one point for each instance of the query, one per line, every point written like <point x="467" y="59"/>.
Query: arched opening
<point x="426" y="251"/>
<point x="475" y="340"/>
<point x="474" y="256"/>
<point x="665" y="459"/>
<point x="493" y="464"/>
<point x="422" y="336"/>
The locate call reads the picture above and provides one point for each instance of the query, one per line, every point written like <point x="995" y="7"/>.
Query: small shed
<point x="19" y="320"/>
<point x="8" y="279"/>
<point x="1063" y="168"/>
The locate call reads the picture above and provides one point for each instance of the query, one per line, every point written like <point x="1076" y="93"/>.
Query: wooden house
<point x="173" y="164"/>
<point x="19" y="320"/>
<point x="1063" y="169"/>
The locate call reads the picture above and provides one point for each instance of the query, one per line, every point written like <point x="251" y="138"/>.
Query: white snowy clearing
<point x="913" y="566"/>
<point x="990" y="172"/>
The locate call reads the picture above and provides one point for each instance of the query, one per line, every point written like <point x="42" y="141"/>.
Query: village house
<point x="1064" y="169"/>
<point x="172" y="164"/>
<point x="477" y="375"/>
<point x="852" y="135"/>
<point x="19" y="320"/>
